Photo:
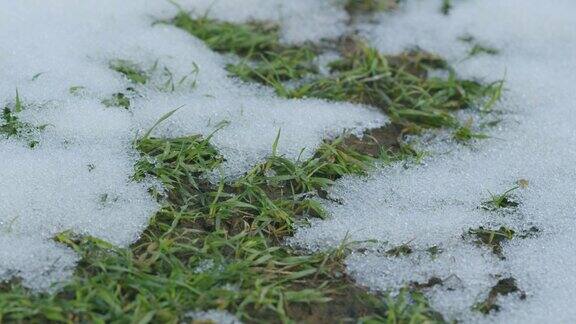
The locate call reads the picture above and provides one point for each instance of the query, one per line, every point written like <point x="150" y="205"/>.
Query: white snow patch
<point x="214" y="316"/>
<point x="434" y="204"/>
<point x="33" y="260"/>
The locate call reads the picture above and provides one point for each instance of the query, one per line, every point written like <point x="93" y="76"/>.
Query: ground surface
<point x="275" y="161"/>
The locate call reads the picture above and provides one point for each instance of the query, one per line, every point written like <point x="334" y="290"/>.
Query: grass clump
<point x="501" y="201"/>
<point x="409" y="306"/>
<point x="263" y="58"/>
<point x="175" y="160"/>
<point x="132" y="71"/>
<point x="476" y="47"/>
<point x="482" y="49"/>
<point x="503" y="287"/>
<point x="400" y="250"/>
<point x="493" y="238"/>
<point x="464" y="133"/>
<point x="446" y="7"/>
<point x="531" y="232"/>
<point x="171" y="83"/>
<point x="434" y="251"/>
<point x="158" y="76"/>
<point x="77" y="90"/>
<point x="276" y="66"/>
<point x="12" y="126"/>
<point x="354" y="7"/>
<point x="240" y="39"/>
<point x="118" y="99"/>
<point x="398" y="85"/>
<point x="431" y="282"/>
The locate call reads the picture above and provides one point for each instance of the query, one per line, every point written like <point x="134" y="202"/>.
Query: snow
<point x="213" y="316"/>
<point x="78" y="177"/>
<point x="437" y="202"/>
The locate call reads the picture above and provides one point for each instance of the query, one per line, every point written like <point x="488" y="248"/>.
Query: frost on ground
<point x="78" y="174"/>
<point x="431" y="207"/>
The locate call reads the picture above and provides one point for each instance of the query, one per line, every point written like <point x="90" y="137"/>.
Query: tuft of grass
<point x="118" y="99"/>
<point x="12" y="126"/>
<point x="477" y="48"/>
<point x="76" y="90"/>
<point x="132" y="71"/>
<point x="434" y="251"/>
<point x="464" y="133"/>
<point x="175" y="160"/>
<point x="431" y="282"/>
<point x="354" y="7"/>
<point x="503" y="287"/>
<point x="164" y="80"/>
<point x="482" y="49"/>
<point x="446" y="7"/>
<point x="18" y="105"/>
<point x="36" y="76"/>
<point x="240" y="39"/>
<point x="408" y="307"/>
<point x="172" y="83"/>
<point x="400" y="250"/>
<point x="531" y="232"/>
<point x="263" y="58"/>
<point x="399" y="85"/>
<point x="493" y="238"/>
<point x="500" y="201"/>
<point x="493" y="92"/>
<point x="283" y="64"/>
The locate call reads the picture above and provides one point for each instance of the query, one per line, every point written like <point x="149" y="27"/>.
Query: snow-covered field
<point x="78" y="175"/>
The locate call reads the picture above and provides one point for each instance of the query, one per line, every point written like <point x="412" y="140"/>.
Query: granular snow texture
<point x="213" y="316"/>
<point x="435" y="204"/>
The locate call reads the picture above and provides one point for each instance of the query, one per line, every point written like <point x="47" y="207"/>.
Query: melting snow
<point x="78" y="176"/>
<point x="435" y="203"/>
